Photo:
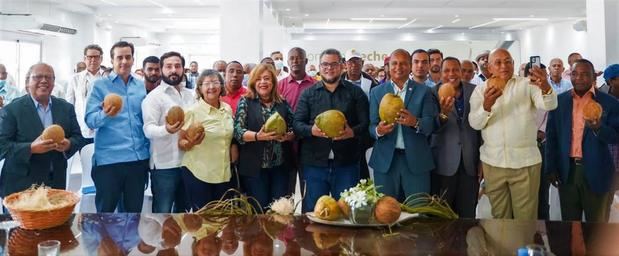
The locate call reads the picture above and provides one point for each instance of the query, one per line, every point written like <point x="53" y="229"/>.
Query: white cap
<point x="352" y="53"/>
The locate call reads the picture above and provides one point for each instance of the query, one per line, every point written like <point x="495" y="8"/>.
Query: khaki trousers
<point x="513" y="193"/>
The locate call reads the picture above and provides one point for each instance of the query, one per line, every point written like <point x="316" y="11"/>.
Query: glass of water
<point x="49" y="248"/>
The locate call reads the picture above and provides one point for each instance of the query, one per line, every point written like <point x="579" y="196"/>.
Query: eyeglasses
<point x="211" y="84"/>
<point x="39" y="78"/>
<point x="329" y="65"/>
<point x="93" y="57"/>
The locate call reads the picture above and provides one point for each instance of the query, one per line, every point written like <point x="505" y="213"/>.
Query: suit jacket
<point x="453" y="142"/>
<point x="420" y="102"/>
<point x="597" y="161"/>
<point x="20" y="125"/>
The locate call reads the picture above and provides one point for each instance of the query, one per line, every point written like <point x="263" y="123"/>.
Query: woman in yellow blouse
<point x="206" y="162"/>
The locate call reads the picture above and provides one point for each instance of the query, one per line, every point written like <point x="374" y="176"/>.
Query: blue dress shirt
<point x="118" y="139"/>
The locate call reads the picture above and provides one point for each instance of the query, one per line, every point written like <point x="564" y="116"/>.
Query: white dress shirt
<point x="509" y="130"/>
<point x="164" y="151"/>
<point x="77" y="93"/>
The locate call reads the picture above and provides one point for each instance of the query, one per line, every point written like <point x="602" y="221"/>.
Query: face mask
<point x="279" y="64"/>
<point x="221" y="73"/>
<point x="312" y="73"/>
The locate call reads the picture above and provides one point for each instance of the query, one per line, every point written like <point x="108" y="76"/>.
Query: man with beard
<point x="165" y="161"/>
<point x="579" y="160"/>
<point x="482" y="61"/>
<point x="234" y="85"/>
<point x="401" y="158"/>
<point x="120" y="162"/>
<point x="152" y="73"/>
<point x="420" y="67"/>
<point x="192" y="75"/>
<point x="330" y="165"/>
<point x="436" y="58"/>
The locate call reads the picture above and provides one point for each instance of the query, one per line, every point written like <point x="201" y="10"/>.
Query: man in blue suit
<point x="578" y="159"/>
<point x="401" y="157"/>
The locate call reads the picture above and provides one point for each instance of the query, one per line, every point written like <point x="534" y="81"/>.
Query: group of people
<point x="439" y="145"/>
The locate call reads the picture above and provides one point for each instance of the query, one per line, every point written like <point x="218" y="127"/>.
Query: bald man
<point x="401" y="158"/>
<point x="506" y="118"/>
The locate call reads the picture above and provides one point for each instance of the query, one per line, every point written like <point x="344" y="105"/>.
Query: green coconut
<point x="276" y="123"/>
<point x="331" y="122"/>
<point x="389" y="108"/>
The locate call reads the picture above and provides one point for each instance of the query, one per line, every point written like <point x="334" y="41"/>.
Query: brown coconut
<point x="592" y="111"/>
<point x="53" y="132"/>
<point x="194" y="130"/>
<point x="113" y="99"/>
<point x="446" y="90"/>
<point x="387" y="210"/>
<point x="175" y="114"/>
<point x="497" y="83"/>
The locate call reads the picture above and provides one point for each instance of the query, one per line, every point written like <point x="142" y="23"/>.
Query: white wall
<point x="556" y="40"/>
<point x="275" y="36"/>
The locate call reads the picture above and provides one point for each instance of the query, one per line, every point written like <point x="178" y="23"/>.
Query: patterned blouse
<point x="273" y="153"/>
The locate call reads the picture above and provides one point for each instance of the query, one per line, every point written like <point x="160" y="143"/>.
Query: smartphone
<point x="536" y="61"/>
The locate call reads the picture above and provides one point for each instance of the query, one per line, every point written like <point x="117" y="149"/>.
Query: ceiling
<point x="315" y="17"/>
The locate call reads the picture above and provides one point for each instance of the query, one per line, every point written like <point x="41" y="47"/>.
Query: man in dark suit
<point x="455" y="145"/>
<point x="401" y="157"/>
<point x="578" y="159"/>
<point x="29" y="159"/>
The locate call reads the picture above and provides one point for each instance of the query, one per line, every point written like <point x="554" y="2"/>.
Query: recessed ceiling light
<point x="484" y="24"/>
<point x="433" y="30"/>
<point x="456" y="20"/>
<point x="287" y="9"/>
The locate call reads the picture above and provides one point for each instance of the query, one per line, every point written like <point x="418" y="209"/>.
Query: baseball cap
<point x="352" y="53"/>
<point x="611" y="72"/>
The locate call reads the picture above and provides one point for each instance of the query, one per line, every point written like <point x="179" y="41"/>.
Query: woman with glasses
<point x="206" y="162"/>
<point x="263" y="164"/>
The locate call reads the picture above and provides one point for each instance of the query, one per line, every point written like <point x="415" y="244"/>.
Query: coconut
<point x="389" y="108"/>
<point x="446" y="90"/>
<point x="592" y="111"/>
<point x="194" y="130"/>
<point x="276" y="123"/>
<point x="327" y="209"/>
<point x="113" y="99"/>
<point x="497" y="83"/>
<point x="175" y="115"/>
<point x="331" y="122"/>
<point x="344" y="207"/>
<point x="53" y="132"/>
<point x="387" y="210"/>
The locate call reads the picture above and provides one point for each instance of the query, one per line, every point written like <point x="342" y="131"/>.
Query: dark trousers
<point x="543" y="206"/>
<point x="270" y="184"/>
<point x="459" y="190"/>
<point x="120" y="184"/>
<point x="168" y="190"/>
<point x="399" y="182"/>
<point x="198" y="193"/>
<point x="576" y="197"/>
<point x="329" y="180"/>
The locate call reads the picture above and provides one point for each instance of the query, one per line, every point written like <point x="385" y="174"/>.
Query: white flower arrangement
<point x="362" y="195"/>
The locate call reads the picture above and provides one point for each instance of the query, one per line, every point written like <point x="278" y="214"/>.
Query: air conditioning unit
<point x="34" y="25"/>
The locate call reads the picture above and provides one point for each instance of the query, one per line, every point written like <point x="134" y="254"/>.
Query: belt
<point x="576" y="160"/>
<point x="399" y="151"/>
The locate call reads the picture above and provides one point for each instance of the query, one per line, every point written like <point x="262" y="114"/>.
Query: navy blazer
<point x="20" y="125"/>
<point x="420" y="102"/>
<point x="597" y="161"/>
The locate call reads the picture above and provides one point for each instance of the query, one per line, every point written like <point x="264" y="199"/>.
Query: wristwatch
<point x="443" y="116"/>
<point x="416" y="126"/>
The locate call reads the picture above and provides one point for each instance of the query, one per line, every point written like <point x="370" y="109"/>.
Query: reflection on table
<point x="189" y="234"/>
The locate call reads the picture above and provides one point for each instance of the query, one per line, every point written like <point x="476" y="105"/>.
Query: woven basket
<point x="42" y="219"/>
<point x="24" y="242"/>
